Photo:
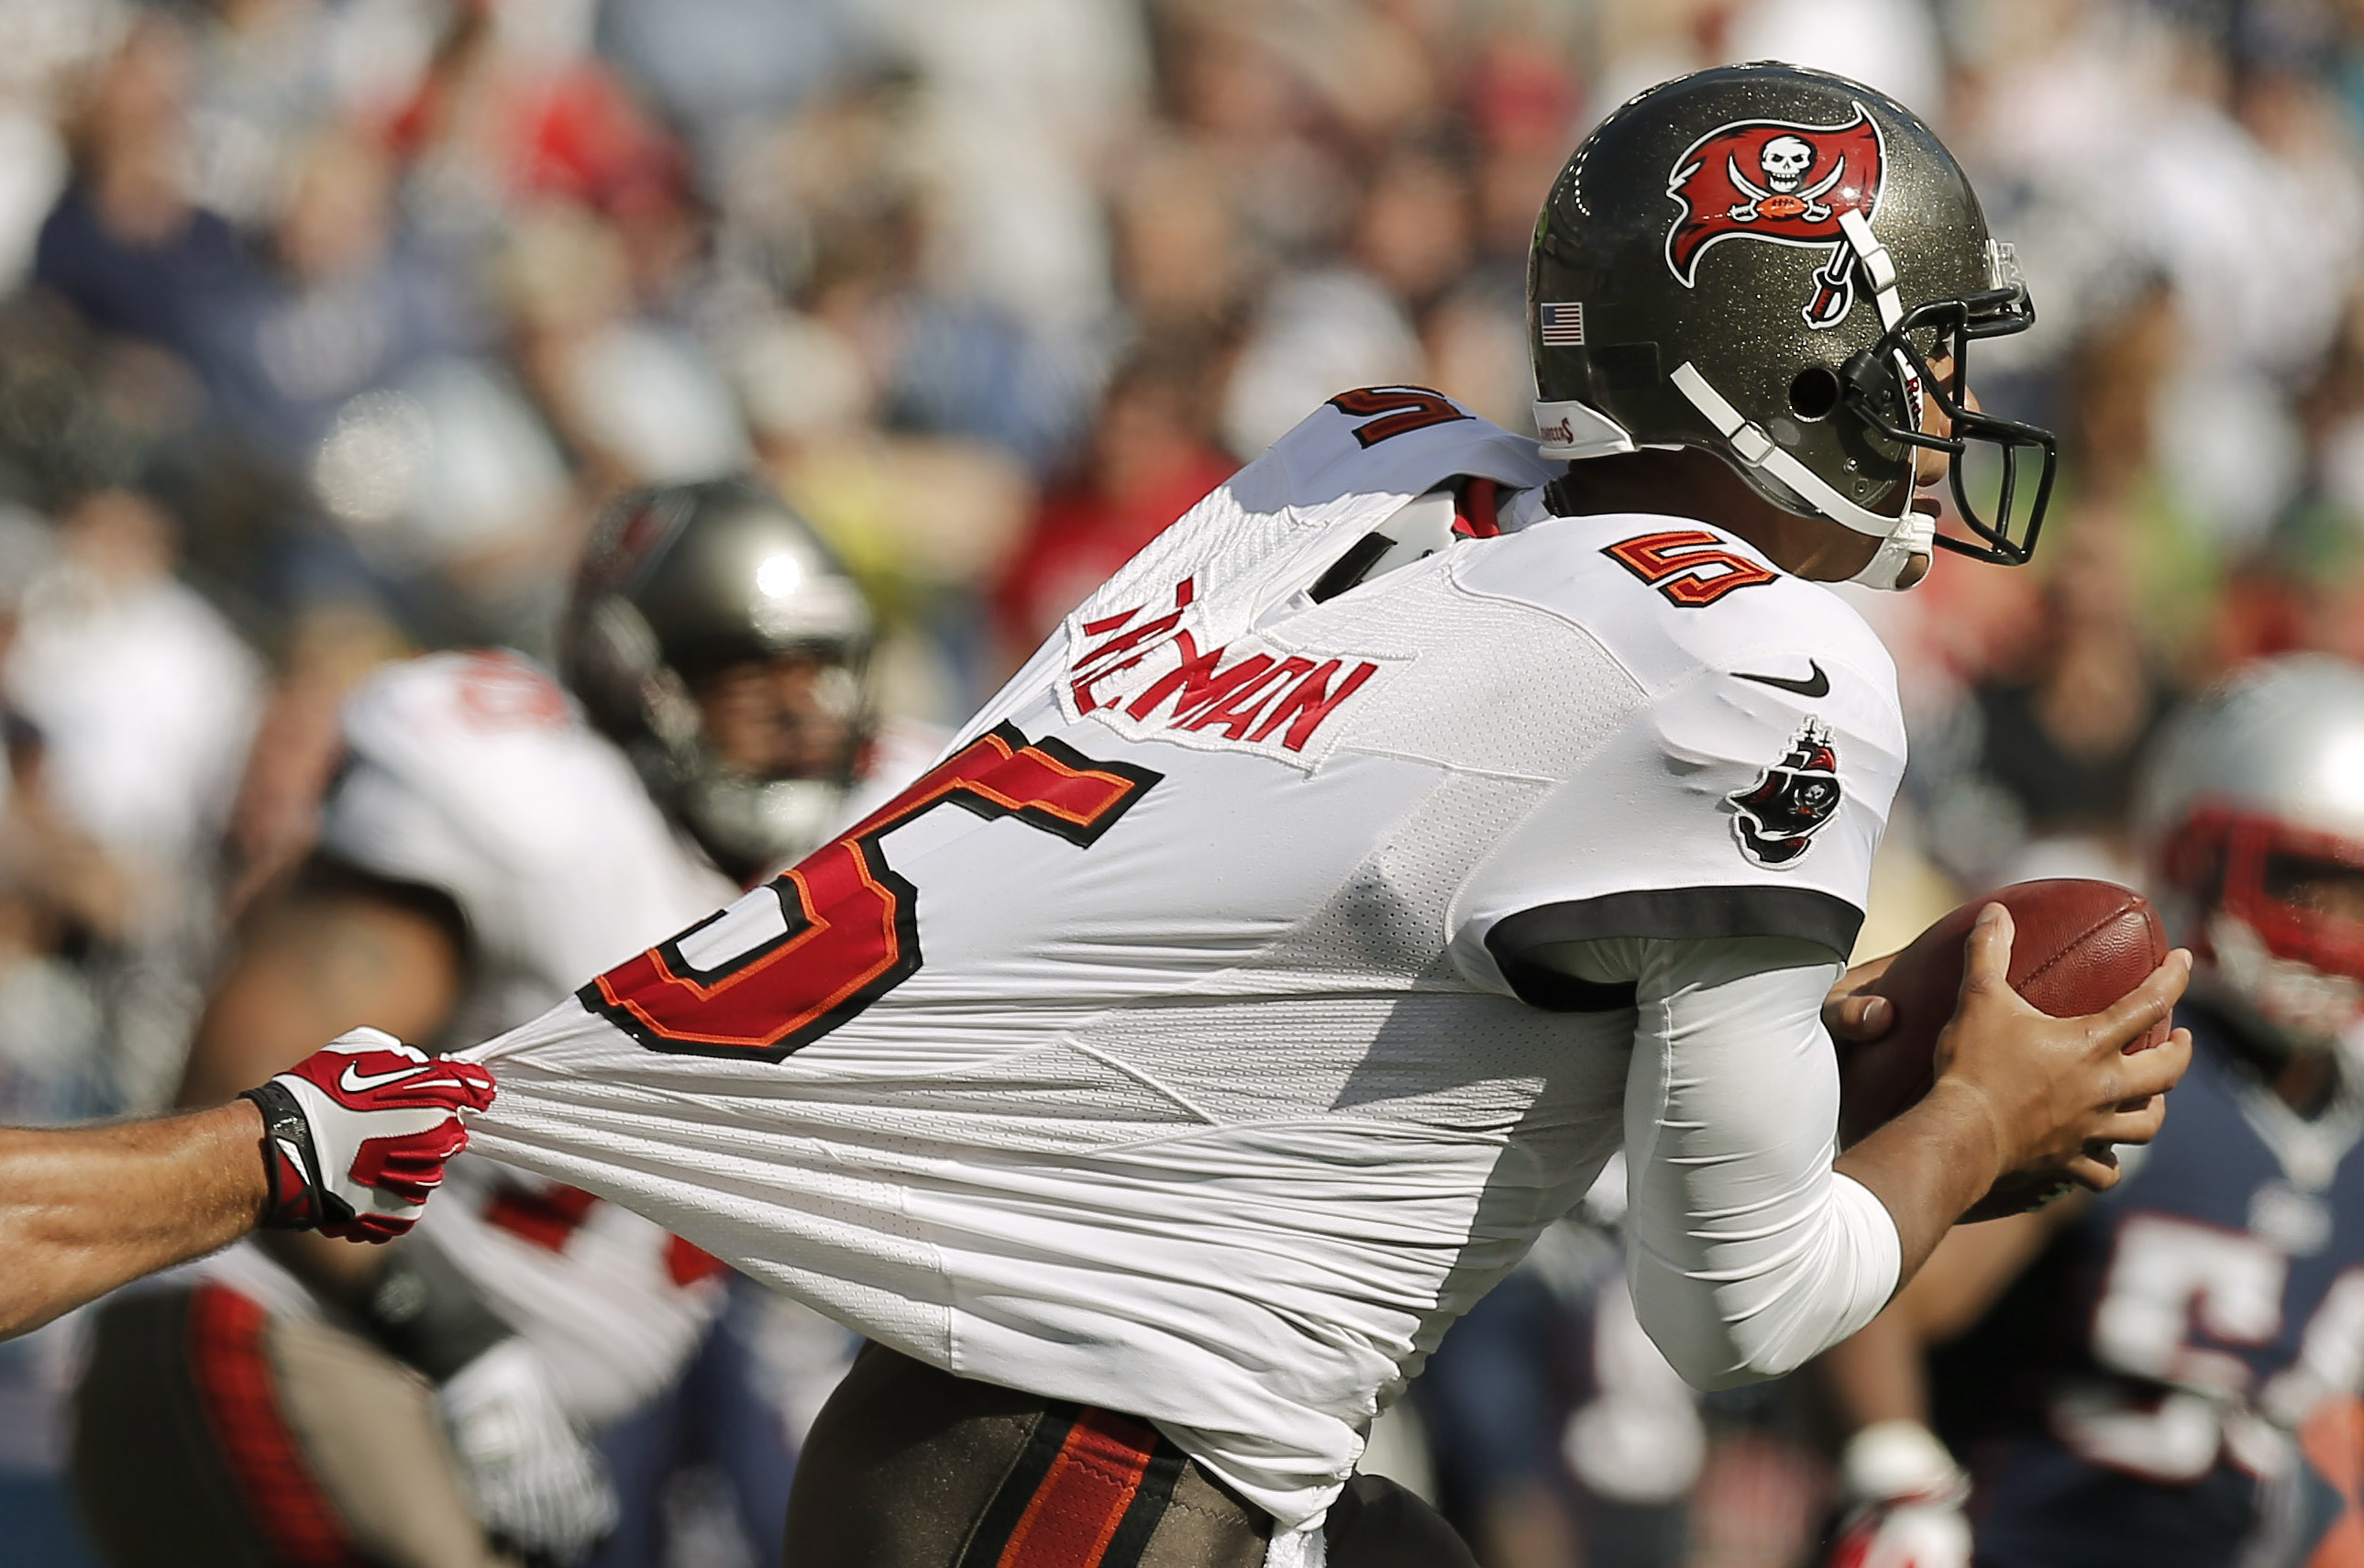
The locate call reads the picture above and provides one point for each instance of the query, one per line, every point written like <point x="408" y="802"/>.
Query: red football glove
<point x="356" y="1135"/>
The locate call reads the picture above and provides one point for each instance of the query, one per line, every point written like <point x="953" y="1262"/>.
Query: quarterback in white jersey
<point x="482" y="850"/>
<point x="1069" y="1142"/>
<point x="1414" y="823"/>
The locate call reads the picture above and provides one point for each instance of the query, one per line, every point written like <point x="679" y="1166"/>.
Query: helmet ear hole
<point x="1815" y="394"/>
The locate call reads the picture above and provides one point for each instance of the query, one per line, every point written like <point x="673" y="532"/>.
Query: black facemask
<point x="1950" y="326"/>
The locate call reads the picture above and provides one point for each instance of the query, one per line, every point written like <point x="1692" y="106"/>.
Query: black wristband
<point x="290" y="1163"/>
<point x="424" y="1312"/>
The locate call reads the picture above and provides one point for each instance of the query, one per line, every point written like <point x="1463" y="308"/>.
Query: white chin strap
<point x="1573" y="430"/>
<point x="1902" y="538"/>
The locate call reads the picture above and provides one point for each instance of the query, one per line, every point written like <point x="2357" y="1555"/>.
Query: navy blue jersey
<point x="2137" y="1389"/>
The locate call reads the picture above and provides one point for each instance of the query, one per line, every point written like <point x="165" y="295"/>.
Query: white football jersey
<point x="1175" y="1044"/>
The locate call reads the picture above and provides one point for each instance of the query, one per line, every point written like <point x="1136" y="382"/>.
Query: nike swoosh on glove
<point x="357" y="1134"/>
<point x="1908" y="1495"/>
<point x="539" y="1487"/>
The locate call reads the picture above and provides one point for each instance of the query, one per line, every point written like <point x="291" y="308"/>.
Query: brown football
<point x="2076" y="947"/>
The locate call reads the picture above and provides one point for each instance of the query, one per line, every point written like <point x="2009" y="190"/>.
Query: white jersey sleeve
<point x="1746" y="1253"/>
<point x="1746" y="786"/>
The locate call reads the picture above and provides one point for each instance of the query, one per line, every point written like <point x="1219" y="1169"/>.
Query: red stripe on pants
<point x="1083" y="1496"/>
<point x="233" y="1379"/>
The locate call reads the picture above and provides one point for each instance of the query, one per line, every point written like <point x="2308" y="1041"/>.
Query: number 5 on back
<point x="813" y="948"/>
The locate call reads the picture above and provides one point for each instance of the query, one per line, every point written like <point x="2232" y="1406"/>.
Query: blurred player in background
<point x="487" y="845"/>
<point x="2168" y="1373"/>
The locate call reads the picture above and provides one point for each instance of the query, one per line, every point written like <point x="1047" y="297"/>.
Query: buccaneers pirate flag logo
<point x="1789" y="183"/>
<point x="1776" y="818"/>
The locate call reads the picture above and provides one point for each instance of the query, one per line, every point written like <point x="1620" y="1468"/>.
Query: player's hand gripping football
<point x="357" y="1134"/>
<point x="2053" y="1093"/>
<point x="1853" y="1013"/>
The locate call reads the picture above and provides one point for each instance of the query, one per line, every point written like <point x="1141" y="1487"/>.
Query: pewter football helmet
<point x="1762" y="261"/>
<point x="2255" y="790"/>
<point x="681" y="582"/>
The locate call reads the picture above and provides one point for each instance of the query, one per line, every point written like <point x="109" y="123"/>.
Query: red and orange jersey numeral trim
<point x="1691" y="567"/>
<point x="850" y="922"/>
<point x="1394" y="410"/>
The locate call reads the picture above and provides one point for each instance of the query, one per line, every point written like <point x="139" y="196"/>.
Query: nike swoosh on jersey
<point x="1815" y="685"/>
<point x="354" y="1083"/>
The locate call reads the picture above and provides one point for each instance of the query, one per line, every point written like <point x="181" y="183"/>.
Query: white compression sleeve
<point x="1747" y="1254"/>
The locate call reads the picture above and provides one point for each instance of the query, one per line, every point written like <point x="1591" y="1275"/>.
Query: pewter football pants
<point x="908" y="1467"/>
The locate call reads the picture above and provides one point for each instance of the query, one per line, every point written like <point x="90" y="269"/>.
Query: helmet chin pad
<point x="1903" y="558"/>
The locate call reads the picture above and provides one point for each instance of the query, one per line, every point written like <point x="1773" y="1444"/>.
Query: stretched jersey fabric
<point x="473" y="773"/>
<point x="1176" y="1044"/>
<point x="2174" y="1381"/>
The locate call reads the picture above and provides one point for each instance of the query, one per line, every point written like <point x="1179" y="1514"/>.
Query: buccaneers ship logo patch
<point x="1789" y="183"/>
<point x="1776" y="818"/>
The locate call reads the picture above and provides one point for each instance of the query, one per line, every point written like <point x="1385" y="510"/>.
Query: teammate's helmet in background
<point x="2251" y="807"/>
<point x="1762" y="261"/>
<point x="680" y="583"/>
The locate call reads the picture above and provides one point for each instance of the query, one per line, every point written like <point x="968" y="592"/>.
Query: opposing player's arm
<point x="1902" y="1490"/>
<point x="1974" y="1266"/>
<point x="349" y="1141"/>
<point x="1878" y="1374"/>
<point x="85" y="1209"/>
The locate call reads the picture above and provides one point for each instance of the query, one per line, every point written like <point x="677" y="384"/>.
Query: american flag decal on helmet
<point x="1562" y="324"/>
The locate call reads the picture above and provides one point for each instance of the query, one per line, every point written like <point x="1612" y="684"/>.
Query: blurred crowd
<point x="325" y="324"/>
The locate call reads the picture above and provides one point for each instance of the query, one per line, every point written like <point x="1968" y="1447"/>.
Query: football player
<point x="485" y="847"/>
<point x="2168" y="1372"/>
<point x="1423" y="815"/>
